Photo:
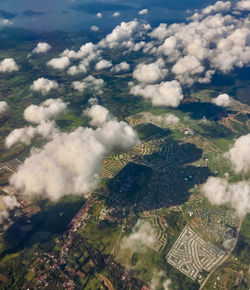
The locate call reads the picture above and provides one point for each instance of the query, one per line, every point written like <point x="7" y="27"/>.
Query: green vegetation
<point x="242" y="250"/>
<point x="158" y="180"/>
<point x="146" y="131"/>
<point x="102" y="235"/>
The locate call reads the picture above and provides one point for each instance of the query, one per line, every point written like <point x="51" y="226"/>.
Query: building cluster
<point x="191" y="254"/>
<point x="80" y="220"/>
<point x="47" y="265"/>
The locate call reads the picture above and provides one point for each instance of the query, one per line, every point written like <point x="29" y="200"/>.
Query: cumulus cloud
<point x="93" y="101"/>
<point x="116" y="14"/>
<point x="222" y="100"/>
<point x="160" y="32"/>
<point x="59" y="63"/>
<point x="169" y="48"/>
<point x="143" y="12"/>
<point x="44" y="85"/>
<point x="102" y="64"/>
<point x="219" y="192"/>
<point x="239" y="154"/>
<point x="81" y="68"/>
<point x="26" y="134"/>
<point x="123" y="35"/>
<point x="206" y="79"/>
<point x="42" y="47"/>
<point x="8" y="65"/>
<point x="90" y="83"/>
<point x="219" y="6"/>
<point x="186" y="66"/>
<point x="4" y="107"/>
<point x="143" y="235"/>
<point x="71" y="162"/>
<point x="150" y="73"/>
<point x="243" y="5"/>
<point x="166" y="93"/>
<point x="94" y="28"/>
<point x="48" y="110"/>
<point x="86" y="50"/>
<point x="172" y="119"/>
<point x="9" y="203"/>
<point x="123" y="66"/>
<point x="98" y="114"/>
<point x="208" y="43"/>
<point x="88" y="53"/>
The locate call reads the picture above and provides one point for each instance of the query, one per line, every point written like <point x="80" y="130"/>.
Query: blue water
<point x="74" y="15"/>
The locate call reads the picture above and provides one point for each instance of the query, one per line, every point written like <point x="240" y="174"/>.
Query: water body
<point x="75" y="15"/>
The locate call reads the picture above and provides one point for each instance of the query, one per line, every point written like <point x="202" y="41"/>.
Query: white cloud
<point x="137" y="46"/>
<point x="166" y="284"/>
<point x="172" y="119"/>
<point x="243" y="5"/>
<point x="239" y="154"/>
<point x="116" y="14"/>
<point x="206" y="79"/>
<point x="94" y="28"/>
<point x="169" y="48"/>
<point x="99" y="15"/>
<point x="8" y="65"/>
<point x="44" y="85"/>
<point x="186" y="66"/>
<point x="164" y="94"/>
<point x="71" y="162"/>
<point x="160" y="32"/>
<point x="9" y="203"/>
<point x="90" y="83"/>
<point x="88" y="53"/>
<point x="123" y="66"/>
<point x="157" y="277"/>
<point x="233" y="50"/>
<point x="26" y="134"/>
<point x="42" y="47"/>
<point x="59" y="63"/>
<point x="93" y="101"/>
<point x="143" y="12"/>
<point x="102" y="64"/>
<point x="150" y="73"/>
<point x="218" y="6"/>
<point x="4" y="107"/>
<point x="143" y="235"/>
<point x="222" y="100"/>
<point x="216" y="42"/>
<point x="4" y="215"/>
<point x="99" y="115"/>
<point x="86" y="50"/>
<point x="219" y="191"/>
<point x="5" y="22"/>
<point x="122" y="35"/>
<point x="81" y="68"/>
<point x="49" y="109"/>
